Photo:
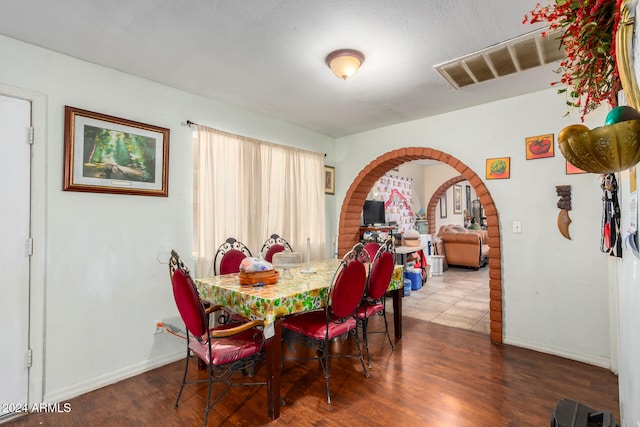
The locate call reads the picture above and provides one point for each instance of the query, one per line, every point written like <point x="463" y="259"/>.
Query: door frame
<point x="38" y="233"/>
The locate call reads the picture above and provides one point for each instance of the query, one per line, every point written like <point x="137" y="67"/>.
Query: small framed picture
<point x="106" y="154"/>
<point x="539" y="147"/>
<point x="329" y="180"/>
<point x="570" y="169"/>
<point x="443" y="206"/>
<point x="457" y="199"/>
<point x="498" y="168"/>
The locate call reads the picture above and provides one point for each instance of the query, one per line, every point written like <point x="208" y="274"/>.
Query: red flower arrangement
<point x="589" y="70"/>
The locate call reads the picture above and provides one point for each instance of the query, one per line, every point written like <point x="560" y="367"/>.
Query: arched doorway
<point x="349" y="223"/>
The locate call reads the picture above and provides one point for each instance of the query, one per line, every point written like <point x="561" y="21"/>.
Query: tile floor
<point x="459" y="298"/>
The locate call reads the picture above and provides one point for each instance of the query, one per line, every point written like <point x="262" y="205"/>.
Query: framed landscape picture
<point x="106" y="154"/>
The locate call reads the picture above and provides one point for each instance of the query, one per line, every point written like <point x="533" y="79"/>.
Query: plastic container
<point x="436" y="265"/>
<point x="415" y="276"/>
<point x="407" y="287"/>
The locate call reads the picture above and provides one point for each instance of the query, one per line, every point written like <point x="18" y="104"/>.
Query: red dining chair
<point x="229" y="256"/>
<point x="319" y="327"/>
<point x="374" y="301"/>
<point x="273" y="245"/>
<point x="372" y="248"/>
<point x="224" y="349"/>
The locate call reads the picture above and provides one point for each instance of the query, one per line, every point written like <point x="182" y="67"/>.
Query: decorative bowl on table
<point x="286" y="260"/>
<point x="255" y="271"/>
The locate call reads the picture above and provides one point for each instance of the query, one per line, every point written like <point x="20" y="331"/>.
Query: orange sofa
<point x="464" y="247"/>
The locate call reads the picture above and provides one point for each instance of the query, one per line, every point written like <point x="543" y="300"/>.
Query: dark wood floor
<point x="438" y="376"/>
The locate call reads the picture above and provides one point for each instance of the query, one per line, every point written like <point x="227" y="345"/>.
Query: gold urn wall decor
<point x="606" y="149"/>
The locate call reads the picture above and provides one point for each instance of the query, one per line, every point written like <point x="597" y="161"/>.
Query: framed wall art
<point x="329" y="180"/>
<point x="468" y="199"/>
<point x="106" y="154"/>
<point x="498" y="168"/>
<point x="539" y="147"/>
<point x="457" y="199"/>
<point x="443" y="206"/>
<point x="570" y="169"/>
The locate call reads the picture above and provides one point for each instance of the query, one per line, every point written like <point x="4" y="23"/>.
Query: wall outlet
<point x="517" y="227"/>
<point x="157" y="326"/>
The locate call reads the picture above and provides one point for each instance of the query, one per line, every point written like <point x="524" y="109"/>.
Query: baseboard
<point x="110" y="378"/>
<point x="602" y="362"/>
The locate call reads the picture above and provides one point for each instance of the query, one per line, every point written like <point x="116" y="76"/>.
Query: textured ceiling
<point x="268" y="55"/>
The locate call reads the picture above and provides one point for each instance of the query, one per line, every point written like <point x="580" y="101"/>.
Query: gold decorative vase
<point x="606" y="149"/>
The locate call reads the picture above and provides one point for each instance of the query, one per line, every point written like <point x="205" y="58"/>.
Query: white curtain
<point x="250" y="189"/>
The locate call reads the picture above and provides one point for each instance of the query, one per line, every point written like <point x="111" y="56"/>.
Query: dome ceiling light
<point x="345" y="62"/>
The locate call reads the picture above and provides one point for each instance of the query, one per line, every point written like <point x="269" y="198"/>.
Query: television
<point x="373" y="212"/>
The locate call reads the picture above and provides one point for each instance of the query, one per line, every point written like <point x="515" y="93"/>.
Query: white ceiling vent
<point x="512" y="56"/>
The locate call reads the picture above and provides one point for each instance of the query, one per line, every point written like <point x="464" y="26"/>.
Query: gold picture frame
<point x="107" y="154"/>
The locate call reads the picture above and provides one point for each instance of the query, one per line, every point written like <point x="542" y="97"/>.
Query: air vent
<point x="509" y="57"/>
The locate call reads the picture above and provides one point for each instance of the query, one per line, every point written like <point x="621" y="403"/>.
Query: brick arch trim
<point x="435" y="198"/>
<point x="349" y="222"/>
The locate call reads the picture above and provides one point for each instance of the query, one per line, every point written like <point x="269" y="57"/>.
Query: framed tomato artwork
<point x="498" y="168"/>
<point x="539" y="147"/>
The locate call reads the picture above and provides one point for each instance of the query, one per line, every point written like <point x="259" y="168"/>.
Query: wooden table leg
<point x="273" y="354"/>
<point x="397" y="311"/>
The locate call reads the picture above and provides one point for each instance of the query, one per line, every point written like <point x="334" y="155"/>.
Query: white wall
<point x="551" y="286"/>
<point x="104" y="283"/>
<point x="627" y="271"/>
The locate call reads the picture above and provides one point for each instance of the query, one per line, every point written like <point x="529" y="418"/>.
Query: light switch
<point x="517" y="227"/>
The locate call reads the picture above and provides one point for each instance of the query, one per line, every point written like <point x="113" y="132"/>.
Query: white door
<point x="15" y="170"/>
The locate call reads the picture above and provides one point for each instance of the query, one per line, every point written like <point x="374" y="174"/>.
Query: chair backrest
<point x="273" y="245"/>
<point x="349" y="281"/>
<point x="380" y="275"/>
<point x="188" y="302"/>
<point x="229" y="256"/>
<point x="175" y="263"/>
<point x="357" y="252"/>
<point x="372" y="249"/>
<point x="348" y="288"/>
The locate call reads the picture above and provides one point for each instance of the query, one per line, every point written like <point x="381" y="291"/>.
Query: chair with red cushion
<point x="372" y="249"/>
<point x="224" y="349"/>
<point x="374" y="302"/>
<point x="273" y="245"/>
<point x="229" y="256"/>
<point x="319" y="327"/>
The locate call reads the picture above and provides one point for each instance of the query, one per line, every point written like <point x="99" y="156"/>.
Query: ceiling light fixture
<point x="345" y="62"/>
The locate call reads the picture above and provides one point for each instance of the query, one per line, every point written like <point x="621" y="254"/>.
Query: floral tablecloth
<point x="295" y="292"/>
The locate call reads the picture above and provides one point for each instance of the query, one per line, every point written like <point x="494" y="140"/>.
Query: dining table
<point x="297" y="290"/>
